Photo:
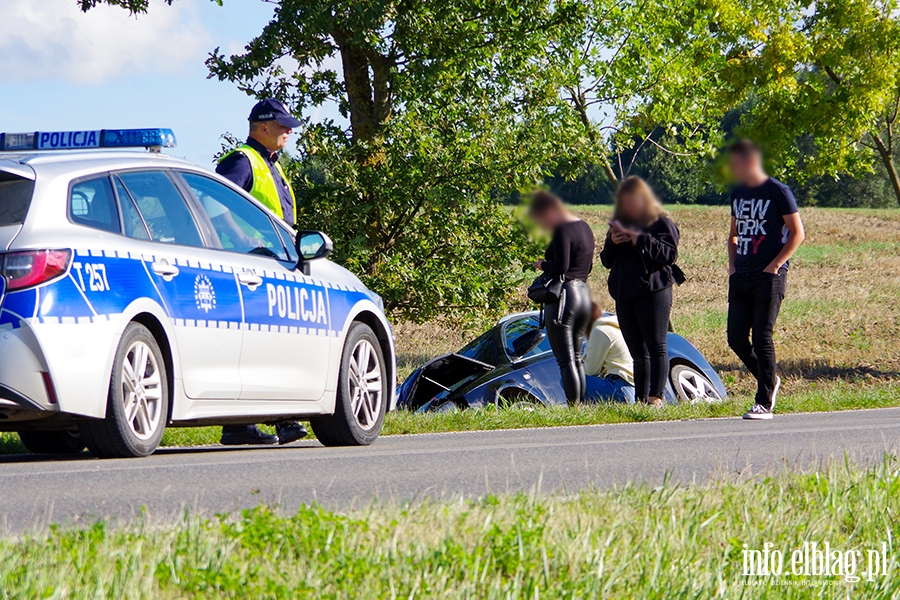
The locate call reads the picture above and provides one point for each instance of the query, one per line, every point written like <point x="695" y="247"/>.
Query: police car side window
<point x="134" y="224"/>
<point x="164" y="209"/>
<point x="92" y="203"/>
<point x="240" y="225"/>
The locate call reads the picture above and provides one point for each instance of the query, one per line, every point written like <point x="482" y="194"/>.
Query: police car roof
<point x="59" y="163"/>
<point x="39" y="157"/>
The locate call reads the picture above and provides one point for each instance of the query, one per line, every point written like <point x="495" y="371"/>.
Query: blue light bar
<point x="79" y="140"/>
<point x="138" y="138"/>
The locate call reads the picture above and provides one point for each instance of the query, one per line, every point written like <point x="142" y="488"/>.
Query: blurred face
<point x="745" y="169"/>
<point x="273" y="135"/>
<point x="632" y="207"/>
<point x="549" y="219"/>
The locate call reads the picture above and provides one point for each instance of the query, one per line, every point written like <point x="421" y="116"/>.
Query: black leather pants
<point x="566" y="322"/>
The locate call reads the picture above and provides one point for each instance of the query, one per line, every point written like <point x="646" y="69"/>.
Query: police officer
<point x="254" y="167"/>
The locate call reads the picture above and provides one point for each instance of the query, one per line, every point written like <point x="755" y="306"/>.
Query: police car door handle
<point x="250" y="279"/>
<point x="165" y="270"/>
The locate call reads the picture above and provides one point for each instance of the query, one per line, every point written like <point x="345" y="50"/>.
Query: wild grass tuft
<point x="635" y="541"/>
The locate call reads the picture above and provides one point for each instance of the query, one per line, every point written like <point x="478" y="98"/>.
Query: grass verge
<point x="843" y="397"/>
<point x="472" y="420"/>
<point x="629" y="542"/>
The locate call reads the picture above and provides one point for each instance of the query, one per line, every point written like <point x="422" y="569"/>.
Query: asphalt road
<point x="35" y="491"/>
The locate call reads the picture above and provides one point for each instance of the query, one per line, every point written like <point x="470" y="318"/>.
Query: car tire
<point x="52" y="442"/>
<point x="692" y="386"/>
<point x="359" y="409"/>
<point x="137" y="406"/>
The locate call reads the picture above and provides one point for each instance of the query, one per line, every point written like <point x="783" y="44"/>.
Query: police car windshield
<point x="15" y="198"/>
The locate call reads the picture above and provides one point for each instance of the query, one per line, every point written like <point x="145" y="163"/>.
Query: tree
<point x="633" y="75"/>
<point x="446" y="111"/>
<point x="831" y="74"/>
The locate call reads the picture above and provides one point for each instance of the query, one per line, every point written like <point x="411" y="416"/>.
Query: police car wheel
<point x="362" y="393"/>
<point x="137" y="407"/>
<point x="52" y="442"/>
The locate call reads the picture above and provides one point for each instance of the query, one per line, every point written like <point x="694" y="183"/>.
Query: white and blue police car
<point x="140" y="292"/>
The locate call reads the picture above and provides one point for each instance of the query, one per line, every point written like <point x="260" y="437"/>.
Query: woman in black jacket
<point x="640" y="249"/>
<point x="570" y="256"/>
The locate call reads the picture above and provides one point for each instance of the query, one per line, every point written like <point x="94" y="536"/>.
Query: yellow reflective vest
<point x="265" y="188"/>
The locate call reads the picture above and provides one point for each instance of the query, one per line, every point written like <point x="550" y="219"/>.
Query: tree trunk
<point x="887" y="158"/>
<point x="355" y="65"/>
<point x="369" y="100"/>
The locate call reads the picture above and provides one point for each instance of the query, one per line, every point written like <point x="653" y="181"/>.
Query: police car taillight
<point x="34" y="267"/>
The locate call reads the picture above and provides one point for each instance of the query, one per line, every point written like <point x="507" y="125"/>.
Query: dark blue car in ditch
<point x="511" y="364"/>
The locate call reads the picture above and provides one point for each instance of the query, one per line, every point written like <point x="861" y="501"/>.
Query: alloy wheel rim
<point x="142" y="391"/>
<point x="696" y="387"/>
<point x="366" y="391"/>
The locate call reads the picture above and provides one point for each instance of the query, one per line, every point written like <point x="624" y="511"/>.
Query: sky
<point x="66" y="70"/>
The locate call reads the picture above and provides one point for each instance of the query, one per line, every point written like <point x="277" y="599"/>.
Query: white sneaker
<point x="775" y="393"/>
<point x="758" y="413"/>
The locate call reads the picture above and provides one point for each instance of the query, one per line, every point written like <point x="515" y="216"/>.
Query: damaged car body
<point x="512" y="364"/>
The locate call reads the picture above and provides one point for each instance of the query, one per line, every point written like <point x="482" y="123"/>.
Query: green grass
<point x="629" y="542"/>
<point x="844" y="396"/>
<point x="844" y="253"/>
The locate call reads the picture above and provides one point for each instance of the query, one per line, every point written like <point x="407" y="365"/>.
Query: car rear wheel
<point x="52" y="442"/>
<point x="362" y="393"/>
<point x="137" y="406"/>
<point x="692" y="386"/>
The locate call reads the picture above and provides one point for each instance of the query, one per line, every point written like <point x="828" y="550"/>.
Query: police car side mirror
<point x="312" y="245"/>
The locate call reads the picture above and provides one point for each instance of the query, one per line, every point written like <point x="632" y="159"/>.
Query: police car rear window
<point x="15" y="198"/>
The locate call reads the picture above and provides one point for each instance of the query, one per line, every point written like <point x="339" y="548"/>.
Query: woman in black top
<point x="641" y="248"/>
<point x="569" y="256"/>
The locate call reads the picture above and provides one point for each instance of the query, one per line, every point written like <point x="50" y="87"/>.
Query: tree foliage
<point x="632" y="75"/>
<point x="451" y="107"/>
<point x="827" y="74"/>
<point x="444" y="115"/>
<point x="132" y="6"/>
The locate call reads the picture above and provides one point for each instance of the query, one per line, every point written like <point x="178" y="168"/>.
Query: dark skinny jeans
<point x="754" y="300"/>
<point x="644" y="323"/>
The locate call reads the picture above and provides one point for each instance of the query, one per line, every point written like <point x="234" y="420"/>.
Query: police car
<point x="140" y="292"/>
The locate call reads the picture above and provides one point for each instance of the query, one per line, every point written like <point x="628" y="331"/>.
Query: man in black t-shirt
<point x="766" y="230"/>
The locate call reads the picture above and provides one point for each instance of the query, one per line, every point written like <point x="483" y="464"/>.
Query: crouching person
<point x="608" y="366"/>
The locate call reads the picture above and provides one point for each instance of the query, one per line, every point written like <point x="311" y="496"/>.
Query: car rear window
<point x="15" y="198"/>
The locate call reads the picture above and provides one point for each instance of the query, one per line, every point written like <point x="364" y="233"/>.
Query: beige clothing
<point x="606" y="352"/>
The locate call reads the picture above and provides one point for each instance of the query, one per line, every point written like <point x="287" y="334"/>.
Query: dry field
<point x="840" y="323"/>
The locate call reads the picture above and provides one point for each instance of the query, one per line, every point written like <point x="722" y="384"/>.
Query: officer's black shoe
<point x="290" y="432"/>
<point x="242" y="435"/>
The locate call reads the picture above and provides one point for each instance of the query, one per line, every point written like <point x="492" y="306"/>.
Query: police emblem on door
<point x="204" y="294"/>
